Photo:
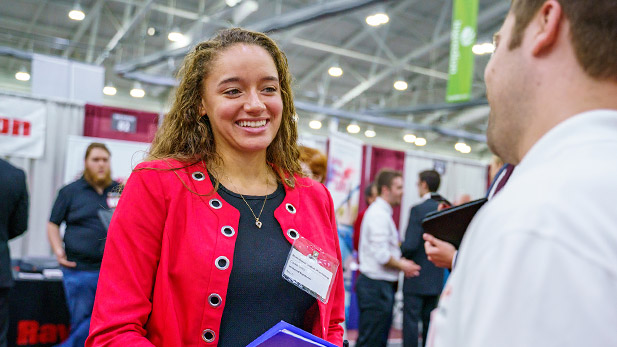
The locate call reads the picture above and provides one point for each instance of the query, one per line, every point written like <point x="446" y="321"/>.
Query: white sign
<point x="344" y="174"/>
<point x="125" y="155"/>
<point x="22" y="127"/>
<point x="308" y="273"/>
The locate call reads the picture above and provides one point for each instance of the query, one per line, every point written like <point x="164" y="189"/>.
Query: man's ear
<point x="546" y="26"/>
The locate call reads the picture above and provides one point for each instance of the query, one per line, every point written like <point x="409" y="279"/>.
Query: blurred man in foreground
<point x="538" y="264"/>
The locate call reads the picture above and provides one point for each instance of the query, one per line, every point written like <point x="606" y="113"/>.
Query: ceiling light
<point x="232" y="3"/>
<point x="353" y="128"/>
<point x="137" y="91"/>
<point x="420" y="141"/>
<point x="77" y="13"/>
<point x="151" y="31"/>
<point x="175" y="35"/>
<point x="22" y="75"/>
<point x="315" y="124"/>
<point x="377" y="19"/>
<point x="466" y="149"/>
<point x="370" y="132"/>
<point x="409" y="138"/>
<point x="400" y="85"/>
<point x="460" y="145"/>
<point x="483" y="48"/>
<point x="335" y="71"/>
<point x="109" y="90"/>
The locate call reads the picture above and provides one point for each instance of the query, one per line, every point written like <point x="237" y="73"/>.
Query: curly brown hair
<point x="187" y="136"/>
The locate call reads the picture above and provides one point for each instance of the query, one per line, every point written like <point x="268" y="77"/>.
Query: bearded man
<point x="80" y="256"/>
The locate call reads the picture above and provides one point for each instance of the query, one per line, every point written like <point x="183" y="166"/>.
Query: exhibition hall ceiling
<point x="131" y="39"/>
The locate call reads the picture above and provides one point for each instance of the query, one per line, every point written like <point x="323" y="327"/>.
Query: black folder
<point x="450" y="224"/>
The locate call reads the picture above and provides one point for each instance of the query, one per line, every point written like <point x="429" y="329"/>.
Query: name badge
<point x="310" y="269"/>
<point x="112" y="199"/>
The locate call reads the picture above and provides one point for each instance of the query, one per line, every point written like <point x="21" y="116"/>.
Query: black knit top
<point x="257" y="296"/>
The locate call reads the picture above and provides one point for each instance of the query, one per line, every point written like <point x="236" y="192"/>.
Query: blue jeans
<point x="79" y="289"/>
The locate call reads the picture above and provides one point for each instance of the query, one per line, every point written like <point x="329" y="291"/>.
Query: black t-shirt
<point x="257" y="296"/>
<point x="77" y="204"/>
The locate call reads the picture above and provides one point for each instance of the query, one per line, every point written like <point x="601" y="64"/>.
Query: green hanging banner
<point x="463" y="37"/>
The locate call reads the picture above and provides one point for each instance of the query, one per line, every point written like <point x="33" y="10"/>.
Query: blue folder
<point x="285" y="334"/>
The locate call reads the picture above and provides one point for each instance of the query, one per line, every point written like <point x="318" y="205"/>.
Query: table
<point x="38" y="313"/>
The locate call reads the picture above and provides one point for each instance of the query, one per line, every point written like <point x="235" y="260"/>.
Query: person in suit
<point x="420" y="294"/>
<point x="13" y="222"/>
<point x="443" y="254"/>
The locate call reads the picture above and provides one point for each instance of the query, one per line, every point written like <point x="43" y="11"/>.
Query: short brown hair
<point x="593" y="29"/>
<point x="94" y="145"/>
<point x="385" y="178"/>
<point x="187" y="136"/>
<point x="432" y="179"/>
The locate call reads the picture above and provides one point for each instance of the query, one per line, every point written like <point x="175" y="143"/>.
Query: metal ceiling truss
<point x="321" y="66"/>
<point x="496" y="10"/>
<point x="388" y="122"/>
<point x="285" y="21"/>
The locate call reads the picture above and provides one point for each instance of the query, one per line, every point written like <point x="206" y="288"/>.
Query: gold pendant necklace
<point x="257" y="221"/>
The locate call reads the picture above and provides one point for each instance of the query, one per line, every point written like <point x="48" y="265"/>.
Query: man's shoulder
<point x="9" y="171"/>
<point x="374" y="209"/>
<point x="75" y="185"/>
<point x="426" y="206"/>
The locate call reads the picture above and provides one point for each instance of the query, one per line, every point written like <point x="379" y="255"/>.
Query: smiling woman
<point x="242" y="101"/>
<point x="201" y="236"/>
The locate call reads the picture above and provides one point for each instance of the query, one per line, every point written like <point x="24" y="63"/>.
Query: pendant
<point x="258" y="223"/>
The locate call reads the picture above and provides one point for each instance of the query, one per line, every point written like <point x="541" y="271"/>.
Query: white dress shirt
<point x="538" y="264"/>
<point x="379" y="241"/>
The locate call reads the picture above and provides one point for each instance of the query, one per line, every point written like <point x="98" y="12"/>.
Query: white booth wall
<point x="45" y="175"/>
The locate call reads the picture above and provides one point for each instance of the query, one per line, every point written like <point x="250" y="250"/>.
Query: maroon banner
<point x="120" y="123"/>
<point x="381" y="158"/>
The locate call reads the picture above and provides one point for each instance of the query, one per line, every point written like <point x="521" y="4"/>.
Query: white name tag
<point x="310" y="269"/>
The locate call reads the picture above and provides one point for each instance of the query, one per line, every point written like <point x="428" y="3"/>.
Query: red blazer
<point x="158" y="267"/>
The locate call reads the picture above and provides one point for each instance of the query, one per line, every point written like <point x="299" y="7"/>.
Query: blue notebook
<point x="285" y="334"/>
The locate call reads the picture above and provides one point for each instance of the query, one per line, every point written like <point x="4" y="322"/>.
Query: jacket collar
<point x="383" y="205"/>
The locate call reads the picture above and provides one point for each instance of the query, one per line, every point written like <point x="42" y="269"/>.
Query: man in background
<point x="380" y="262"/>
<point x="538" y="264"/>
<point x="420" y="294"/>
<point x="13" y="222"/>
<point x="80" y="256"/>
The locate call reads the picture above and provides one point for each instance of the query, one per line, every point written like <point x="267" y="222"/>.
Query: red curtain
<point x="380" y="158"/>
<point x="102" y="121"/>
